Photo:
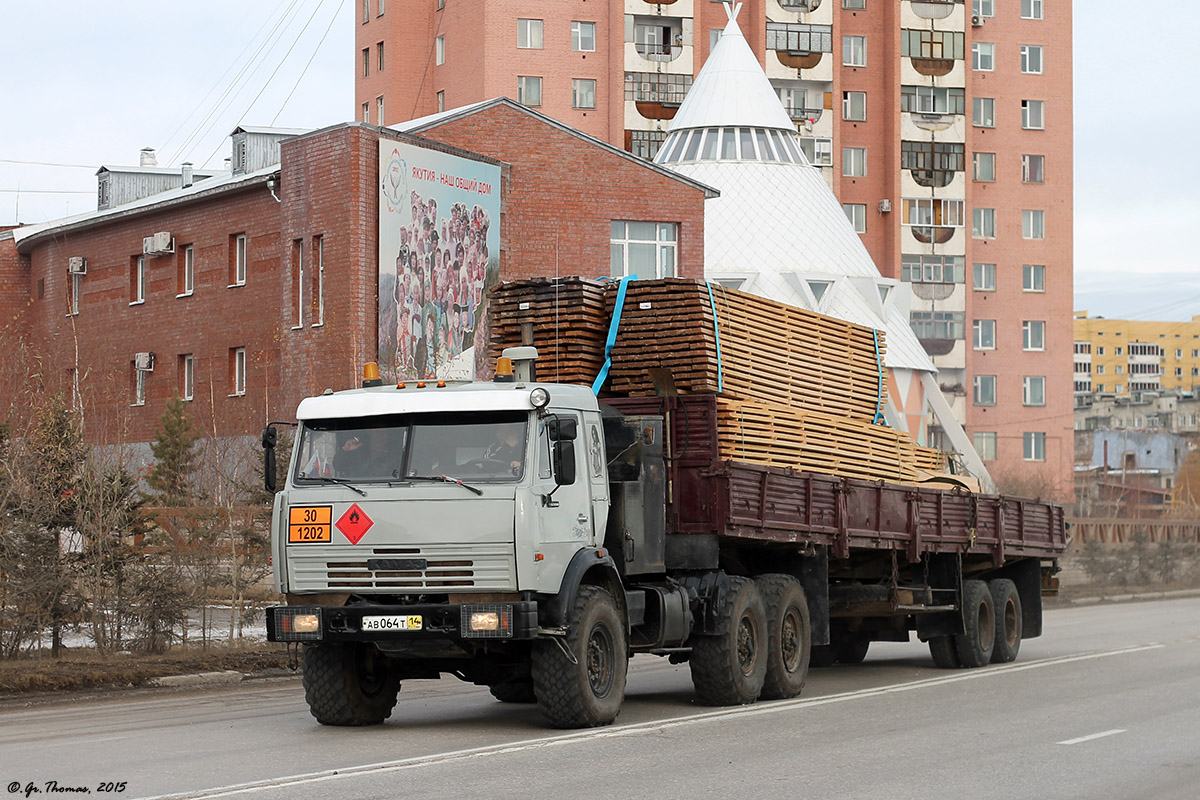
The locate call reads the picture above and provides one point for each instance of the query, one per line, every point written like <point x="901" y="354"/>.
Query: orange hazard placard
<point x="310" y="524"/>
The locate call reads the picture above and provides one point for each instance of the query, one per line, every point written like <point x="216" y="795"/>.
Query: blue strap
<point x="716" y="330"/>
<point x="879" y="392"/>
<point x="613" y="324"/>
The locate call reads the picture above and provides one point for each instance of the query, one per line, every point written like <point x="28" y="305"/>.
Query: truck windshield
<point x="476" y="446"/>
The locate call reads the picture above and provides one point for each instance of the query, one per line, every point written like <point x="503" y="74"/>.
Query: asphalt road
<point x="1105" y="705"/>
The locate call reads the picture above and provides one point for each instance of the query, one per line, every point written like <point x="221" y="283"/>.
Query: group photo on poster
<point x="439" y="243"/>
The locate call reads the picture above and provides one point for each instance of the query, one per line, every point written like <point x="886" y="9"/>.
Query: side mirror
<point x="562" y="459"/>
<point x="562" y="428"/>
<point x="269" y="437"/>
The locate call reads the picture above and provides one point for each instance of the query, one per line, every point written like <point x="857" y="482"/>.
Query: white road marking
<point x="1100" y="735"/>
<point x="635" y="729"/>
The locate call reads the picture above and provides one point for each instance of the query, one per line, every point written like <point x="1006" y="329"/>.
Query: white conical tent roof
<point x="732" y="88"/>
<point x="777" y="225"/>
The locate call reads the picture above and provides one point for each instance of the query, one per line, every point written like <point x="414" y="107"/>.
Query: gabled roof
<point x="732" y="88"/>
<point x="422" y="124"/>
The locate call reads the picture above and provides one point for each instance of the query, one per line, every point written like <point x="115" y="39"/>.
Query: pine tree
<point x="174" y="449"/>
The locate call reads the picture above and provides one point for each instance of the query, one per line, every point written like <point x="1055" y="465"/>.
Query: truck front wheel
<point x="788" y="636"/>
<point x="350" y="684"/>
<point x="580" y="682"/>
<point x="729" y="668"/>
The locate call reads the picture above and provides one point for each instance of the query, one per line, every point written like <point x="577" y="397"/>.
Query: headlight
<point x="539" y="397"/>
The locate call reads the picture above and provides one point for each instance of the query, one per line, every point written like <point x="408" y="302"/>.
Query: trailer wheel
<point x="944" y="652"/>
<point x="822" y="655"/>
<point x="349" y="684"/>
<point x="852" y="649"/>
<point x="978" y="638"/>
<point x="585" y="688"/>
<point x="789" y="636"/>
<point x="513" y="691"/>
<point x="1009" y="623"/>
<point x="728" y="668"/>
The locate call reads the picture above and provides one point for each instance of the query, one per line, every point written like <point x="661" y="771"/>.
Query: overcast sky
<point x="91" y="82"/>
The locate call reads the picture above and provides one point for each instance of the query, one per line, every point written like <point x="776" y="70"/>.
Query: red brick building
<point x="269" y="291"/>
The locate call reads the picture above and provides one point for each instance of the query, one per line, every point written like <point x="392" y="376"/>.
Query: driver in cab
<point x="507" y="448"/>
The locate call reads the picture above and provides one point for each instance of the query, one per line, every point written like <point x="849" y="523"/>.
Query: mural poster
<point x="439" y="253"/>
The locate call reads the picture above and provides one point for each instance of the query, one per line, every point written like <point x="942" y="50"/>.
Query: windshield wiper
<point x="444" y="479"/>
<point x="339" y="482"/>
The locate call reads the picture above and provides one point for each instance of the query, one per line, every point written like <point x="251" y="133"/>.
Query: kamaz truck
<point x="531" y="538"/>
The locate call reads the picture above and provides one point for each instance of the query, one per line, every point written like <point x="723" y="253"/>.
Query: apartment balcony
<point x="800" y="5"/>
<point x="652" y="51"/>
<point x="802" y="113"/>
<point x="933" y="234"/>
<point x="935" y="67"/>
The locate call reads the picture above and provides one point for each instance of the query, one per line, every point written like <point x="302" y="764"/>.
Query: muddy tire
<point x="852" y="648"/>
<point x="789" y="636"/>
<point x="585" y="689"/>
<point x="349" y="684"/>
<point x="976" y="642"/>
<point x="1009" y="622"/>
<point x="729" y="668"/>
<point x="944" y="652"/>
<point x="514" y="692"/>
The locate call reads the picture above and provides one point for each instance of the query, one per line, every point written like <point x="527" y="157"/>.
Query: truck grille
<point x="448" y="568"/>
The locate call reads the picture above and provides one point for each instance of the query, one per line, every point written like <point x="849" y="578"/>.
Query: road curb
<point x="1126" y="597"/>
<point x="199" y="679"/>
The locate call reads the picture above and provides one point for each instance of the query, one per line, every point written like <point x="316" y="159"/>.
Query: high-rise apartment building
<point x="943" y="126"/>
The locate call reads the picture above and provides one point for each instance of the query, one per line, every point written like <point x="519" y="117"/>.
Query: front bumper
<point x="516" y="620"/>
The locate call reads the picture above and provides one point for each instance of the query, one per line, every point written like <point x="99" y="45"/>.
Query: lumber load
<point x="810" y="441"/>
<point x="565" y="318"/>
<point x="768" y="351"/>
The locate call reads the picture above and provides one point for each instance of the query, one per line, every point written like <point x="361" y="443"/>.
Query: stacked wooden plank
<point x="811" y="441"/>
<point x="769" y="351"/>
<point x="796" y="388"/>
<point x="564" y="318"/>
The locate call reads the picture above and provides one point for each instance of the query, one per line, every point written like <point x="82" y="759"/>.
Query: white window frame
<point x="985" y="444"/>
<point x="379" y="111"/>
<point x="241" y="255"/>
<point x="822" y="150"/>
<point x="854" y="51"/>
<point x="983" y="56"/>
<point x="1032" y="9"/>
<point x="441" y="101"/>
<point x="239" y="372"/>
<point x="583" y="93"/>
<point x="580" y="32"/>
<point x="913" y="212"/>
<point x="1033" y="115"/>
<point x="849" y="101"/>
<point x="1033" y="390"/>
<point x="1027" y="171"/>
<point x="983" y="223"/>
<point x="1034" y="445"/>
<point x="854" y="4"/>
<point x="525" y="86"/>
<point x="189" y="271"/>
<point x="1033" y="223"/>
<point x="366" y="11"/>
<point x="979" y="173"/>
<point x="1033" y="277"/>
<point x="983" y="334"/>
<point x="856" y="213"/>
<point x="366" y="113"/>
<point x="983" y="8"/>
<point x="188" y="373"/>
<point x="984" y="390"/>
<point x="380" y="12"/>
<point x="665" y="242"/>
<point x="439" y="51"/>
<point x="983" y="112"/>
<point x="139" y="281"/>
<point x="1033" y="59"/>
<point x="530" y="34"/>
<point x="983" y="277"/>
<point x="854" y="162"/>
<point x="1033" y="335"/>
<point x="319" y="247"/>
<point x="298" y="246"/>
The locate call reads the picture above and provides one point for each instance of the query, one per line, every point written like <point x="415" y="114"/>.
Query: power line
<point x="304" y="71"/>
<point x="45" y="164"/>
<point x="48" y="191"/>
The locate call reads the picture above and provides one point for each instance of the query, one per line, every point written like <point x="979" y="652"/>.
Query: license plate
<point x="392" y="623"/>
<point x="310" y="524"/>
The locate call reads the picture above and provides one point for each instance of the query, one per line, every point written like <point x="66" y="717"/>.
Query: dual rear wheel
<point x="992" y="627"/>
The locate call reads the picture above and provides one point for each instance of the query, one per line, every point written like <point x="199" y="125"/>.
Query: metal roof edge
<point x="24" y="243"/>
<point x="466" y="111"/>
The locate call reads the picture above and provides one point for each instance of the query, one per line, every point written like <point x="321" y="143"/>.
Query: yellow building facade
<point x="1121" y="356"/>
